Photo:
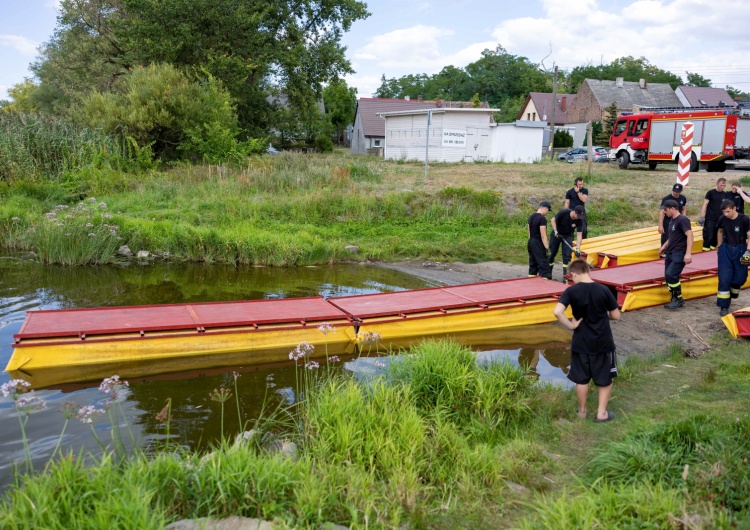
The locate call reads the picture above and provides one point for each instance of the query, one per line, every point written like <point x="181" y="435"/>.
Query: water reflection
<point x="196" y="421"/>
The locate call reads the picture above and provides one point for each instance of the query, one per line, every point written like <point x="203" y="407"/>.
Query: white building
<point x="460" y="135"/>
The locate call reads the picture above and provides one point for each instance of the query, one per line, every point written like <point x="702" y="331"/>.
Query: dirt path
<point x="641" y="332"/>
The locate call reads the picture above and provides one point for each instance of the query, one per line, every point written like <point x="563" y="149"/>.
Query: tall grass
<point x="36" y="147"/>
<point x="415" y="448"/>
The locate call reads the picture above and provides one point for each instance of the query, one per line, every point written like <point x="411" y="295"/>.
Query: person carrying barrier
<point x="538" y="245"/>
<point x="677" y="251"/>
<point x="733" y="254"/>
<point x="676" y="195"/>
<point x="564" y="224"/>
<point x="711" y="213"/>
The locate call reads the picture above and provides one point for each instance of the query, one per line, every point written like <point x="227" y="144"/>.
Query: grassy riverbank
<point x="296" y="209"/>
<point x="443" y="443"/>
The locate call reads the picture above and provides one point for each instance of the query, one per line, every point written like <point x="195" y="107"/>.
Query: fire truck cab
<point x="655" y="138"/>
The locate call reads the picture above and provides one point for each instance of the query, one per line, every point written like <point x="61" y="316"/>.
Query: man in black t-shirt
<point x="739" y="197"/>
<point x="592" y="350"/>
<point x="711" y="213"/>
<point x="677" y="251"/>
<point x="538" y="245"/>
<point x="733" y="241"/>
<point x="564" y="224"/>
<point x="578" y="196"/>
<point x="676" y="195"/>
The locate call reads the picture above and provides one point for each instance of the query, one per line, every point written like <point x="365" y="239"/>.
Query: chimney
<point x="643" y="83"/>
<point x="619" y="82"/>
<point x="564" y="103"/>
<point x="419" y="98"/>
<point x="439" y="103"/>
<point x="406" y="98"/>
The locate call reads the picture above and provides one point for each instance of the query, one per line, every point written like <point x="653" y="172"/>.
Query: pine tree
<point x="608" y="124"/>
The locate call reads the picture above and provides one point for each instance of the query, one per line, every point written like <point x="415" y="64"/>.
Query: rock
<point x="516" y="488"/>
<point x="143" y="254"/>
<point x="354" y="249"/>
<point x="124" y="250"/>
<point x="230" y="523"/>
<point x="332" y="526"/>
<point x="285" y="447"/>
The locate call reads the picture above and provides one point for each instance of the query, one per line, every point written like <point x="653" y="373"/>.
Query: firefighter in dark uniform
<point x="677" y="251"/>
<point x="578" y="196"/>
<point x="538" y="245"/>
<point x="564" y="223"/>
<point x="676" y="195"/>
<point x="733" y="254"/>
<point x="739" y="197"/>
<point x="711" y="213"/>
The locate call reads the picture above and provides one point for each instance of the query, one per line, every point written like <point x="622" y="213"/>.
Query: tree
<point x="608" y="123"/>
<point x="340" y="101"/>
<point x="736" y="93"/>
<point x="498" y="75"/>
<point x="249" y="45"/>
<point x="697" y="80"/>
<point x="21" y="100"/>
<point x="158" y="106"/>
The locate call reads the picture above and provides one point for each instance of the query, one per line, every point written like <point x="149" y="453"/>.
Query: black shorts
<point x="601" y="368"/>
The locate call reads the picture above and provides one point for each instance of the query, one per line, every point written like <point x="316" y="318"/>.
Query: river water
<point x="196" y="419"/>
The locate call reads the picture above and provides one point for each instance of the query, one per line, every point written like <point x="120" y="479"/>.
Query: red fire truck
<point x="720" y="138"/>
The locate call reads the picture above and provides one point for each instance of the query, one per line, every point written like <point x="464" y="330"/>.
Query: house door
<point x="477" y="145"/>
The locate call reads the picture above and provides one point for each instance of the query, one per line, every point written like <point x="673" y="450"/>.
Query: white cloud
<point x="417" y="45"/>
<point x="20" y="44"/>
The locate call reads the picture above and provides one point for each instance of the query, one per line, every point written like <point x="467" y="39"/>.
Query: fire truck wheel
<point x="623" y="160"/>
<point x="652" y="165"/>
<point x="694" y="166"/>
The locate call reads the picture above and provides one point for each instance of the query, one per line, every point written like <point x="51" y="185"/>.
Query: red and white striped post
<point x="686" y="150"/>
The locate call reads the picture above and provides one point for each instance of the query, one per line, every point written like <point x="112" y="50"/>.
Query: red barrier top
<point x="404" y="302"/>
<point x="652" y="271"/>
<point x="75" y="322"/>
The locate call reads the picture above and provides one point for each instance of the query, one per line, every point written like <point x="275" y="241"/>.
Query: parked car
<point x="600" y="155"/>
<point x="572" y="152"/>
<point x="272" y="150"/>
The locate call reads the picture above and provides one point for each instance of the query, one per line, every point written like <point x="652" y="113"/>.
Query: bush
<point x="324" y="144"/>
<point x="159" y="106"/>
<point x="563" y="139"/>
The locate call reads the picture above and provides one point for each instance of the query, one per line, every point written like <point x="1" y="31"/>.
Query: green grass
<point x="441" y="442"/>
<point x="296" y="209"/>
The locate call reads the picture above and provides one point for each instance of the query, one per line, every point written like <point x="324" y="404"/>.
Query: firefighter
<point x="711" y="213"/>
<point x="677" y="251"/>
<point x="739" y="197"/>
<point x="577" y="196"/>
<point x="564" y="224"/>
<point x="733" y="242"/>
<point x="538" y="245"/>
<point x="676" y="195"/>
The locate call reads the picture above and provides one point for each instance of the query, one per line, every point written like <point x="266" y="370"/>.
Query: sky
<point x="423" y="36"/>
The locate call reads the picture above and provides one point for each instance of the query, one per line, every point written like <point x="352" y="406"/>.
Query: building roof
<point x="543" y="104"/>
<point x="699" y="96"/>
<point x="629" y="94"/>
<point x="374" y="125"/>
<point x="436" y="111"/>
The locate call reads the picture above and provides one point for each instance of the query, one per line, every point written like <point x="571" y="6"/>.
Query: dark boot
<point x="724" y="312"/>
<point x="565" y="273"/>
<point x="677" y="300"/>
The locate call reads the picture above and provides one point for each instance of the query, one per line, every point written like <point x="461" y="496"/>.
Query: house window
<point x="528" y="116"/>
<point x="533" y="118"/>
<point x="377" y="143"/>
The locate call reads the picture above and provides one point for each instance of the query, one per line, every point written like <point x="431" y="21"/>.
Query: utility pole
<point x="590" y="142"/>
<point x="427" y="144"/>
<point x="552" y="121"/>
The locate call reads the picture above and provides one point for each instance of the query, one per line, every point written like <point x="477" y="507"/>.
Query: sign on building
<point x="454" y="138"/>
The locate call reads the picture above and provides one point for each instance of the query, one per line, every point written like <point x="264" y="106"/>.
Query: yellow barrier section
<point x="657" y="294"/>
<point x="731" y="322"/>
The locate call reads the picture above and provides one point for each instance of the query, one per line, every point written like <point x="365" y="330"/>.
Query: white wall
<point x="512" y="142"/>
<point x="405" y="135"/>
